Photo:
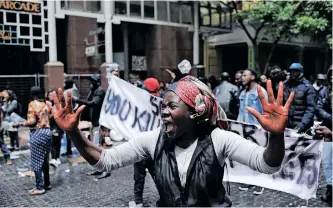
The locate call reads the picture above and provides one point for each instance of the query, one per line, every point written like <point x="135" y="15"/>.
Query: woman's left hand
<point x="275" y="116"/>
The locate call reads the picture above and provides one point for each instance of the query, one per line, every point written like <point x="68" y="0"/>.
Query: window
<point x="174" y="12"/>
<point x="215" y="17"/>
<point x="205" y="17"/>
<point x="93" y="6"/>
<point x="36" y="19"/>
<point x="11" y="17"/>
<point x="120" y="7"/>
<point x="149" y="9"/>
<point x="186" y="12"/>
<point x="162" y="10"/>
<point x="135" y="8"/>
<point x="215" y="14"/>
<point x="63" y="4"/>
<point x="76" y="5"/>
<point x="24" y="18"/>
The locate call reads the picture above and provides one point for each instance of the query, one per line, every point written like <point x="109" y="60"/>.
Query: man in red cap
<point x="152" y="86"/>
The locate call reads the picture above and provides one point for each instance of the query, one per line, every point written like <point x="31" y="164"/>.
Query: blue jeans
<point x="327" y="162"/>
<point x="4" y="149"/>
<point x="40" y="183"/>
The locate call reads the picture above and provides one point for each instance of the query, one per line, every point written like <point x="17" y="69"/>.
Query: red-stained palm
<point x="275" y="116"/>
<point x="64" y="115"/>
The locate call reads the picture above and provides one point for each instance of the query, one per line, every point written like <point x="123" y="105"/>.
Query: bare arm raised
<point x="273" y="119"/>
<point x="102" y="159"/>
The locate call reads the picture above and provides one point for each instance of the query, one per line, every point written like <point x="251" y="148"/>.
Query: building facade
<point x="81" y="37"/>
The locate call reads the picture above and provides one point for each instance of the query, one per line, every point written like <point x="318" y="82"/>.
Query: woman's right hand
<point x="64" y="115"/>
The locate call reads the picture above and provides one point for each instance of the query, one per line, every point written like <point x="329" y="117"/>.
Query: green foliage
<point x="287" y="19"/>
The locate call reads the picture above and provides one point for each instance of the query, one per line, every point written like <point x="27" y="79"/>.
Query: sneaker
<point x="9" y="162"/>
<point x="258" y="190"/>
<point x="245" y="187"/>
<point x="35" y="191"/>
<point x="133" y="204"/>
<point x="94" y="173"/>
<point x="103" y="175"/>
<point x="54" y="163"/>
<point x="58" y="161"/>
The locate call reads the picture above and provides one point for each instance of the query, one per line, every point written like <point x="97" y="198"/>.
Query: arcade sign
<point x="20" y="6"/>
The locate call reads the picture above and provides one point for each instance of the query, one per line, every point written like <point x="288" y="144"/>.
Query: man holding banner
<point x="189" y="152"/>
<point x="324" y="113"/>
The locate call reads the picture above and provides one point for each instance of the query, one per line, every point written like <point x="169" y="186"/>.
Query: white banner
<point x="299" y="173"/>
<point x="130" y="110"/>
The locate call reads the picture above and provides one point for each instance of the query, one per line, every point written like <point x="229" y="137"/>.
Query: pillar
<point x="196" y="33"/>
<point x="108" y="13"/>
<point x="126" y="50"/>
<point x="108" y="31"/>
<point x="53" y="68"/>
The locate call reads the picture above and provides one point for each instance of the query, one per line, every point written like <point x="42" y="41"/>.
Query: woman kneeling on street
<point x="189" y="151"/>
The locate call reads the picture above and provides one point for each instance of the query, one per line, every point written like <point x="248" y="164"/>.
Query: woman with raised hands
<point x="189" y="151"/>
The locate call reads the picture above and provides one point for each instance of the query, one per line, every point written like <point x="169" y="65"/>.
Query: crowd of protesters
<point x="312" y="102"/>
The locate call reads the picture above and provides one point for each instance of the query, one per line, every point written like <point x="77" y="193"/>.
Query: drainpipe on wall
<point x="250" y="56"/>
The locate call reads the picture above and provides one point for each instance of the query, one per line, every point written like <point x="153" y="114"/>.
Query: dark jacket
<point x="302" y="108"/>
<point x="54" y="127"/>
<point x="324" y="107"/>
<point x="226" y="94"/>
<point x="204" y="176"/>
<point x="94" y="102"/>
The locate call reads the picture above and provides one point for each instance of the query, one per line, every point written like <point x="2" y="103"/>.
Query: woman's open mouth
<point x="168" y="127"/>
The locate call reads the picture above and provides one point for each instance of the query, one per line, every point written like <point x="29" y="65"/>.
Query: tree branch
<point x="252" y="25"/>
<point x="281" y="33"/>
<point x="259" y="29"/>
<point x="241" y="22"/>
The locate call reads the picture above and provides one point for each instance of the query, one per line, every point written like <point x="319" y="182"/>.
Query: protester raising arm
<point x="68" y="120"/>
<point x="273" y="119"/>
<point x="193" y="121"/>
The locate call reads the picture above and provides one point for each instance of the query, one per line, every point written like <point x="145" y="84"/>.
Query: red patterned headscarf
<point x="197" y="95"/>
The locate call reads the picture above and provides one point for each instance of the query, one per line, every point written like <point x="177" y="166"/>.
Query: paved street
<point x="74" y="188"/>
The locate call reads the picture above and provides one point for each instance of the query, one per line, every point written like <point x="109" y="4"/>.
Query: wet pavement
<point x="71" y="187"/>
